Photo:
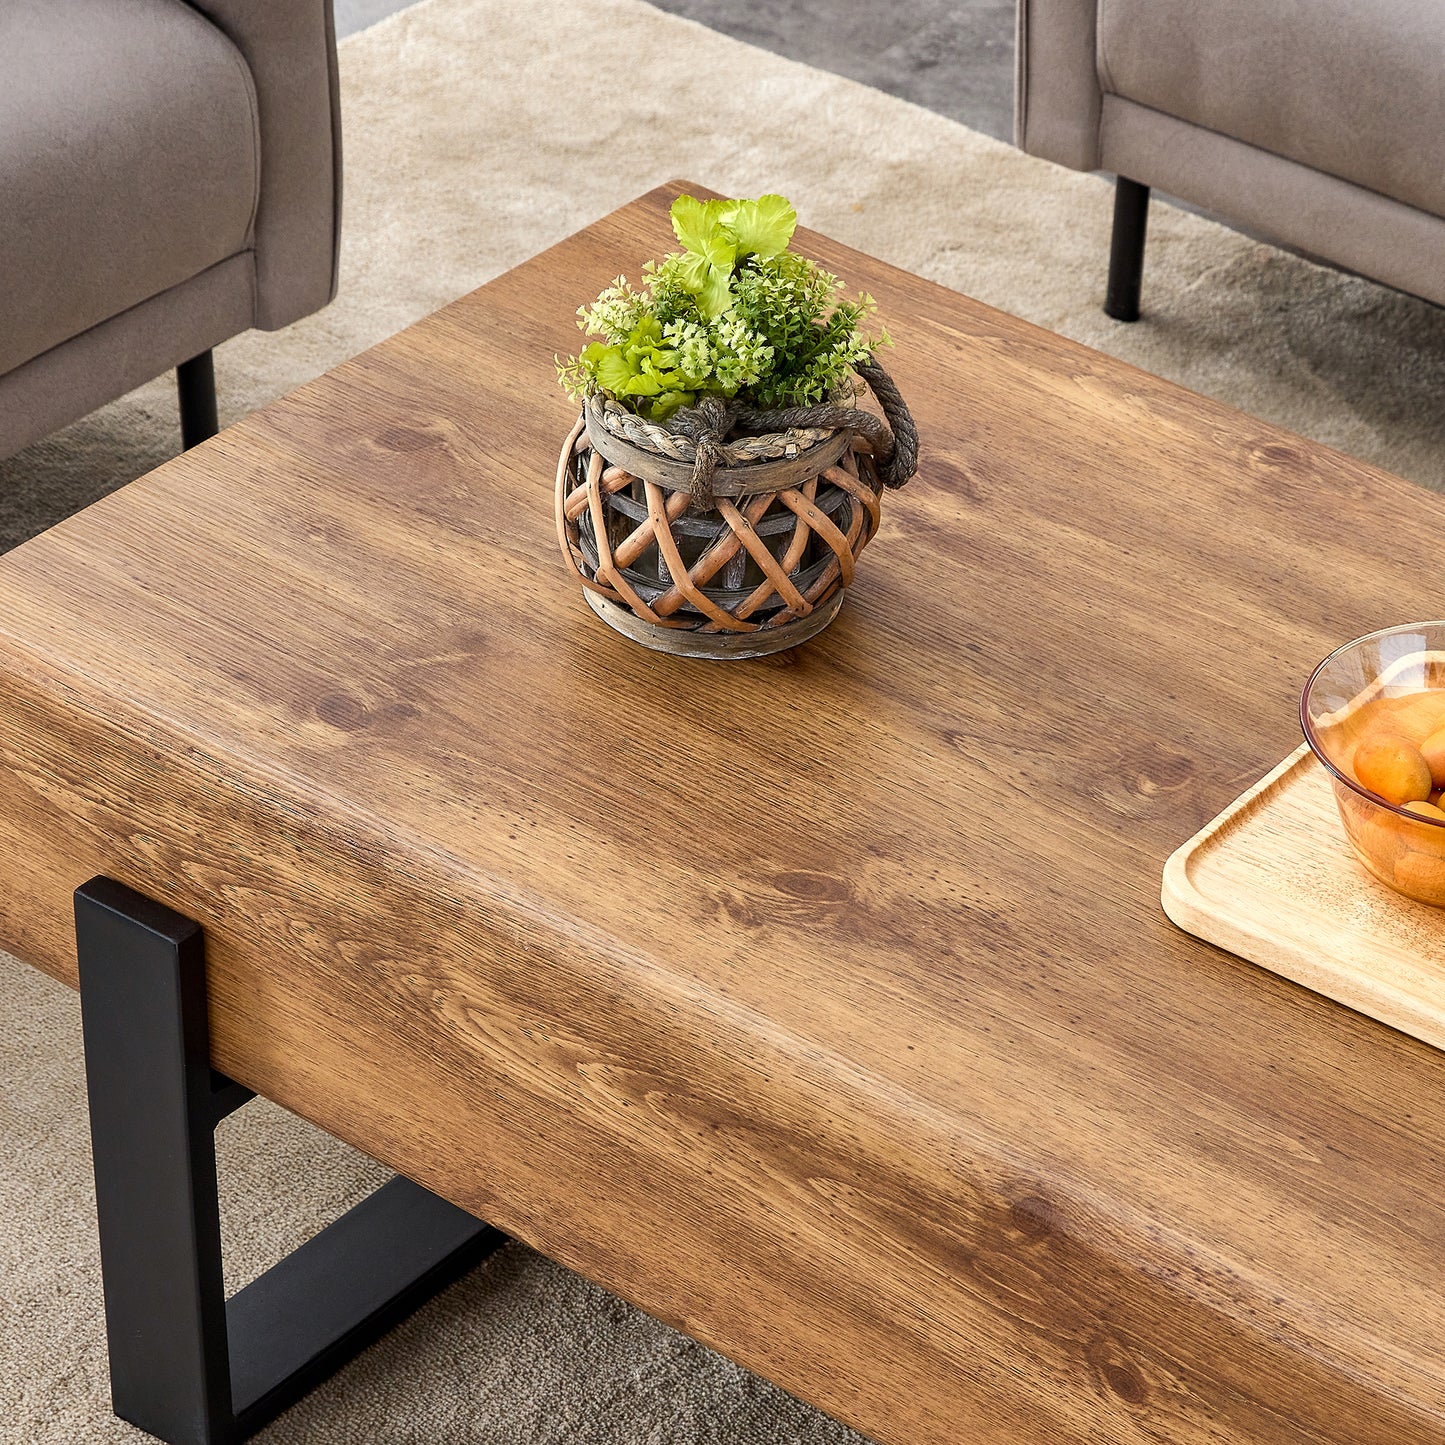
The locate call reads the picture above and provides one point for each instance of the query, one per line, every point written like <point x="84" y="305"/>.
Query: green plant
<point x="734" y="314"/>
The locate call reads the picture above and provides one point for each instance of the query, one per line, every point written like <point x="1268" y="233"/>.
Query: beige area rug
<point x="477" y="132"/>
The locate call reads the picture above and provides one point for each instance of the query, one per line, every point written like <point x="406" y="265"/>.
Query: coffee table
<point x="824" y="1010"/>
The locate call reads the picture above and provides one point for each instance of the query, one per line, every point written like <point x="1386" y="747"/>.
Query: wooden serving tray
<point x="1273" y="880"/>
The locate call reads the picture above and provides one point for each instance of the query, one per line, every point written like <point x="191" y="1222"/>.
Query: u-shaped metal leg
<point x="186" y="1364"/>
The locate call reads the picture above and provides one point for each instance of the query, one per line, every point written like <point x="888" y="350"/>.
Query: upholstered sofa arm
<point x="290" y="47"/>
<point x="1058" y="97"/>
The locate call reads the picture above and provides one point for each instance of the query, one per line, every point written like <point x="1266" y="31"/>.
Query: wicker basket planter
<point x="726" y="533"/>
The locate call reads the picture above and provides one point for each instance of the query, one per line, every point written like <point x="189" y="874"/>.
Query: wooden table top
<point x="826" y="1010"/>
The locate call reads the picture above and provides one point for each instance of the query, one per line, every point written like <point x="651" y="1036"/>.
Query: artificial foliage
<point x="734" y="314"/>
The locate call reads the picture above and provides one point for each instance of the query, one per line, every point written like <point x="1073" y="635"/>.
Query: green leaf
<point x="690" y="222"/>
<point x="716" y="295"/>
<point x="692" y="272"/>
<point x="699" y="226"/>
<point x="672" y="401"/>
<point x="611" y="368"/>
<point x="710" y="284"/>
<point x="762" y="227"/>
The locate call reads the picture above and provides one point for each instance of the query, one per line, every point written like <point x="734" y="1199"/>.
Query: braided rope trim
<point x="698" y="433"/>
<point x="770" y="447"/>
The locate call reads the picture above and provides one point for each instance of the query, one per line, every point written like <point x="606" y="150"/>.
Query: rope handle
<point x="902" y="461"/>
<point x="894" y="440"/>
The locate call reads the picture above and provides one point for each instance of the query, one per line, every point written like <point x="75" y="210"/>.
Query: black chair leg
<point x="1126" y="252"/>
<point x="196" y="388"/>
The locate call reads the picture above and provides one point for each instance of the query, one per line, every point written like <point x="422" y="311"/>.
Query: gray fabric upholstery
<point x="1320" y="122"/>
<point x="1356" y="228"/>
<point x="290" y="47"/>
<point x="169" y="176"/>
<point x="125" y="351"/>
<point x="1354" y="88"/>
<point x="129" y="160"/>
<point x="1057" y="94"/>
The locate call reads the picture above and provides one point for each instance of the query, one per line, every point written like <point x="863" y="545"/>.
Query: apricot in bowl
<point x="1373" y="713"/>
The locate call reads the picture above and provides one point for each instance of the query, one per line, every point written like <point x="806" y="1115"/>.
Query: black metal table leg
<point x="186" y="1364"/>
<point x="1126" y="250"/>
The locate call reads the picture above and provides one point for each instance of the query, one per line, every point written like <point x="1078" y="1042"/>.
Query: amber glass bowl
<point x="1389" y="682"/>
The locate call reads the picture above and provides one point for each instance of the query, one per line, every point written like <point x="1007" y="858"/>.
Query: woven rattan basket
<point x="703" y="539"/>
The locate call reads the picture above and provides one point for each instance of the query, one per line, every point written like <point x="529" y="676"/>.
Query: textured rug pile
<point x="478" y="132"/>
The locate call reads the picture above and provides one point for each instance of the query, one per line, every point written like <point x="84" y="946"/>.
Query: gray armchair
<point x="170" y="176"/>
<point x="1321" y="123"/>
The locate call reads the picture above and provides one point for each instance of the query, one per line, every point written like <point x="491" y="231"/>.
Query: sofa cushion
<point x="1350" y="87"/>
<point x="128" y="161"/>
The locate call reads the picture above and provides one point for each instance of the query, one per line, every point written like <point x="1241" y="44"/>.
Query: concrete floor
<point x="354" y="15"/>
<point x="953" y="56"/>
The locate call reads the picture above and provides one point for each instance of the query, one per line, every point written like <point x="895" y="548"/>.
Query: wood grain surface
<point x="1274" y="879"/>
<point x="826" y="1009"/>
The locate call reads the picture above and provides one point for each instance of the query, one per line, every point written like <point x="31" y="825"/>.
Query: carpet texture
<point x="477" y="132"/>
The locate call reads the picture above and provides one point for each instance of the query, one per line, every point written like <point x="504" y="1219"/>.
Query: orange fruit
<point x="1433" y="751"/>
<point x="1393" y="769"/>
<point x="1425" y="837"/>
<point x="1417" y="715"/>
